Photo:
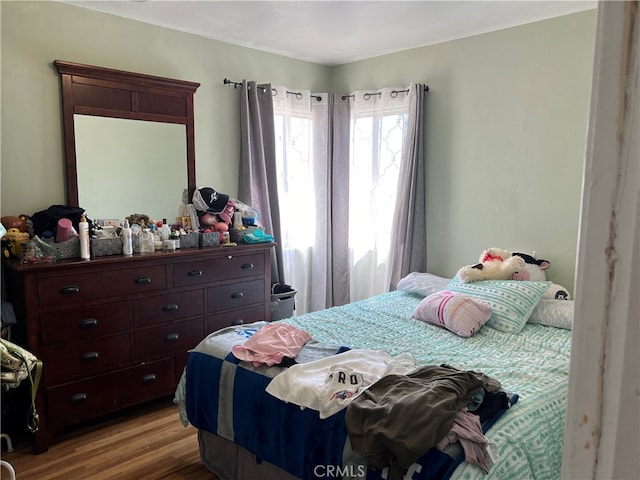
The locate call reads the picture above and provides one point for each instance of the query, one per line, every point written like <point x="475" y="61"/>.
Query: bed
<point x="244" y="432"/>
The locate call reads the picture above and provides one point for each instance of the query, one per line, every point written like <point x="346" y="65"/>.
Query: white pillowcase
<point x="457" y="313"/>
<point x="422" y="283"/>
<point x="554" y="313"/>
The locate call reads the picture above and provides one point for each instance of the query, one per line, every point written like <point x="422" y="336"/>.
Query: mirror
<point x="129" y="141"/>
<point x="118" y="165"/>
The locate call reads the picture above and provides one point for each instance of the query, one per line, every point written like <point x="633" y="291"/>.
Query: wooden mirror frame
<point x="104" y="92"/>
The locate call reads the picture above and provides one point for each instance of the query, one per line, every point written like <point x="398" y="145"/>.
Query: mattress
<point x="225" y="398"/>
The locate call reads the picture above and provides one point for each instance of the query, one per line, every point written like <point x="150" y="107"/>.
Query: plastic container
<point x="65" y="230"/>
<point x="283" y="303"/>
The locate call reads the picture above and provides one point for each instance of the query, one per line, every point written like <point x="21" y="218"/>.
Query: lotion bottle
<point x="83" y="226"/>
<point x="165" y="231"/>
<point x="127" y="244"/>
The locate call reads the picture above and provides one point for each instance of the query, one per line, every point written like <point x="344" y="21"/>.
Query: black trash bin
<point x="283" y="298"/>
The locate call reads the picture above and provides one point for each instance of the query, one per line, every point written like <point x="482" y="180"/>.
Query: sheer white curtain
<point x="303" y="168"/>
<point x="339" y="161"/>
<point x="378" y="130"/>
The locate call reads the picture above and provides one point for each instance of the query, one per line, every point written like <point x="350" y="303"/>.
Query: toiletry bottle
<point x="127" y="244"/>
<point x="165" y="231"/>
<point x="47" y="236"/>
<point x="152" y="240"/>
<point x="83" y="226"/>
<point x="147" y="242"/>
<point x="157" y="238"/>
<point x="144" y="241"/>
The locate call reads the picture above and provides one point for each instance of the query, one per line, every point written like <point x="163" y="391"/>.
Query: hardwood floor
<point x="146" y="442"/>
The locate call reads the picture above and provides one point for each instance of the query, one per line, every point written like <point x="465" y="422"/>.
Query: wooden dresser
<point x="115" y="331"/>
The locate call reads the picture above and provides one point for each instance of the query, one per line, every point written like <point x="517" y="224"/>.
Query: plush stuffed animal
<point x="213" y="223"/>
<point x="533" y="271"/>
<point x="494" y="264"/>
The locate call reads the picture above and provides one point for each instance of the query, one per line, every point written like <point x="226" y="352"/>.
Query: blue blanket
<point x="227" y="397"/>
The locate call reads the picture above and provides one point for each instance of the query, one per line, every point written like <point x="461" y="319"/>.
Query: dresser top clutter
<point x="110" y="300"/>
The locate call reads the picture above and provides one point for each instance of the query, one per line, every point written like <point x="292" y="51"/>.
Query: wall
<point x="36" y="33"/>
<point x="506" y="118"/>
<point x="505" y="138"/>
<point x="602" y="426"/>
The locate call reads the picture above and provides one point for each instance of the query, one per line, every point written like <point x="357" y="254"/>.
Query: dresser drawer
<point x="235" y="317"/>
<point x="84" y="323"/>
<point x="167" y="308"/>
<point x="216" y="269"/>
<point x="235" y="295"/>
<point x="147" y="381"/>
<point x="167" y="339"/>
<point x="81" y="287"/>
<point x="69" y="361"/>
<point x="78" y="401"/>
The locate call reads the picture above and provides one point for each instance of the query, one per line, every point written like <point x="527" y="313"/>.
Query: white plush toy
<point x="494" y="264"/>
<point x="534" y="271"/>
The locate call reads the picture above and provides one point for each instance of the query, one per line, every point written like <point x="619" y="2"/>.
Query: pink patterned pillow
<point x="457" y="313"/>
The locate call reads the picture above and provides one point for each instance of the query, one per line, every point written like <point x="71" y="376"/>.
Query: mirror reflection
<point x="129" y="166"/>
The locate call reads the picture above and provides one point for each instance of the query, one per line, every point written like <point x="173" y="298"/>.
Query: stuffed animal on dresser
<point x="533" y="271"/>
<point x="494" y="264"/>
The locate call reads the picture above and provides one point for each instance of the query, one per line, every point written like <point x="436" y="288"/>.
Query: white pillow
<point x="555" y="313"/>
<point x="422" y="283"/>
<point x="457" y="313"/>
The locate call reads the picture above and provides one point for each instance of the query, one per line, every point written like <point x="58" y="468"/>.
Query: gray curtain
<point x="257" y="184"/>
<point x="409" y="219"/>
<point x="328" y="278"/>
<point x="338" y="293"/>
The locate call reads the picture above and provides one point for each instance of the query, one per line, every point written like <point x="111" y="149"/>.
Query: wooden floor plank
<point x="144" y="443"/>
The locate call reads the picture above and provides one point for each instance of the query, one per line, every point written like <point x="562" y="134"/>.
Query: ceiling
<point x="335" y="32"/>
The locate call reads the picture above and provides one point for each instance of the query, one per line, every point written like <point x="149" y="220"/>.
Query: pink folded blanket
<point x="271" y="344"/>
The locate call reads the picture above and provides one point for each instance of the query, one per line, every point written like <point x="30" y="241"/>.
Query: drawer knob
<point x="70" y="290"/>
<point x="239" y="321"/>
<point x="237" y="295"/>
<point x="143" y="281"/>
<point x="152" y="377"/>
<point x="247" y="266"/>
<point x="79" y="397"/>
<point x="89" y="322"/>
<point x="172" y="307"/>
<point x="195" y="273"/>
<point x="171" y="338"/>
<point x="89" y="356"/>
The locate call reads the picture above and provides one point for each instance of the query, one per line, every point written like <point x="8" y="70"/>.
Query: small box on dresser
<point x="190" y="240"/>
<point x="211" y="239"/>
<point x="101" y="247"/>
<point x="68" y="249"/>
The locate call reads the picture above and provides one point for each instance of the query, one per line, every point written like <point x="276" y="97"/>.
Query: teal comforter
<point x="534" y="363"/>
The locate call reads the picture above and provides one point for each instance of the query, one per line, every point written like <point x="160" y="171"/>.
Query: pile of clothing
<point x="395" y="410"/>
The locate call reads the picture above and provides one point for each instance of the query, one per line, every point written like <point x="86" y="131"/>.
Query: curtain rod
<point x="367" y="96"/>
<point x="273" y="90"/>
